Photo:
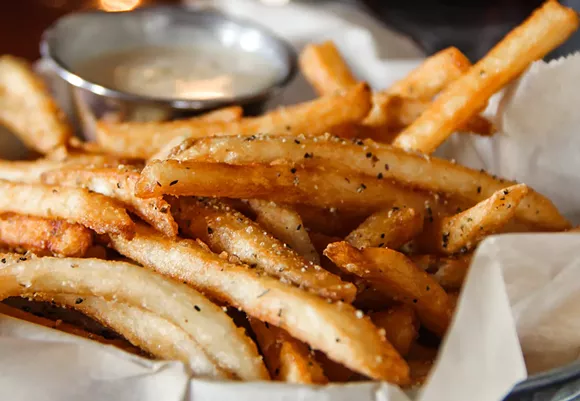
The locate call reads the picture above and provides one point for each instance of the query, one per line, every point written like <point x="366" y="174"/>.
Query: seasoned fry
<point x="342" y="333"/>
<point x="400" y="324"/>
<point x="433" y="75"/>
<point x="44" y="236"/>
<point x="317" y="186"/>
<point x="374" y="159"/>
<point x="287" y="359"/>
<point x="119" y="184"/>
<point x="207" y="324"/>
<point x="155" y="335"/>
<point x="285" y="224"/>
<point x="393" y="274"/>
<point x="449" y="272"/>
<point x="27" y="108"/>
<point x="226" y="230"/>
<point x="91" y="210"/>
<point x="325" y="69"/>
<point x="548" y="27"/>
<point x="142" y="140"/>
<point x="464" y="230"/>
<point x="390" y="228"/>
<point x="65" y="328"/>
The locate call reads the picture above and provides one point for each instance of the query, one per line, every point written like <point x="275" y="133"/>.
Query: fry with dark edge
<point x="208" y="324"/>
<point x="394" y="275"/>
<point x="448" y="271"/>
<point x="333" y="328"/>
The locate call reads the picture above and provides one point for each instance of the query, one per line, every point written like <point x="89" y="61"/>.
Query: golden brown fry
<point x="66" y="328"/>
<point x="27" y="108"/>
<point x="433" y="75"/>
<point x="117" y="183"/>
<point x="142" y="140"/>
<point x="449" y="272"/>
<point x="393" y="274"/>
<point x="207" y="323"/>
<point x="548" y="27"/>
<point x="343" y="334"/>
<point x="330" y="221"/>
<point x="44" y="236"/>
<point x="287" y="359"/>
<point x="317" y="186"/>
<point x="154" y="335"/>
<point x="91" y="210"/>
<point x="374" y="159"/>
<point x="226" y="230"/>
<point x="464" y="230"/>
<point x="285" y="223"/>
<point x="325" y="69"/>
<point x="400" y="324"/>
<point x="225" y="114"/>
<point x="389" y="228"/>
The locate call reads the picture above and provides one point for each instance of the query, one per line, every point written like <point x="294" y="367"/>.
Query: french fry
<point x="393" y="274"/>
<point x="400" y="324"/>
<point x="325" y="69"/>
<point x="287" y="359"/>
<point x="226" y="230"/>
<point x="316" y="186"/>
<point x="45" y="236"/>
<point x="142" y="140"/>
<point x="390" y="228"/>
<point x="204" y="321"/>
<point x="342" y="333"/>
<point x="285" y="224"/>
<point x="464" y="230"/>
<point x="374" y="159"/>
<point x="117" y="183"/>
<point x="225" y="114"/>
<point x="91" y="210"/>
<point x="27" y="108"/>
<point x="330" y="221"/>
<point x="449" y="272"/>
<point x="548" y="27"/>
<point x="66" y="328"/>
<point x="154" y="335"/>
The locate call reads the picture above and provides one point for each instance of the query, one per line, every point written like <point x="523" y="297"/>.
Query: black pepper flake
<point x="210" y="230"/>
<point x="445" y="240"/>
<point x="502" y="198"/>
<point x="382" y="244"/>
<point x="459" y="210"/>
<point x="119" y="185"/>
<point x="369" y="155"/>
<point x="298" y="227"/>
<point x="415" y="300"/>
<point x="478" y="190"/>
<point x="293" y="170"/>
<point x="337" y="340"/>
<point x="267" y="325"/>
<point x="428" y="288"/>
<point x="380" y="176"/>
<point x="172" y="183"/>
<point x="158" y="184"/>
<point x="386" y="167"/>
<point x="264" y="293"/>
<point x="361" y="188"/>
<point x="308" y="155"/>
<point x="23" y="258"/>
<point x="505" y="191"/>
<point x="469" y="219"/>
<point x="78" y="301"/>
<point x="383" y="235"/>
<point x="395" y="209"/>
<point x="347" y="180"/>
<point x="276" y="371"/>
<point x="253" y="265"/>
<point x="296" y="141"/>
<point x="250" y="138"/>
<point x="55" y="191"/>
<point x="279" y="312"/>
<point x="197" y="308"/>
<point x="288" y="128"/>
<point x="3" y="260"/>
<point x="509" y="206"/>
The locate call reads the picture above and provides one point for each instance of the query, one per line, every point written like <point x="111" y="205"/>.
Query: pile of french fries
<point x="326" y="225"/>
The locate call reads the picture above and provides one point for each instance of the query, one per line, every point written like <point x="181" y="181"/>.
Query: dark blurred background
<point x="472" y="25"/>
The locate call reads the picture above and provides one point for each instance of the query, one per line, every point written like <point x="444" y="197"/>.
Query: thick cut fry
<point x="155" y="335"/>
<point x="44" y="236"/>
<point x="285" y="224"/>
<point x="91" y="210"/>
<point x="119" y="184"/>
<point x="316" y="186"/>
<point x="400" y="324"/>
<point x="548" y="27"/>
<point x="433" y="75"/>
<point x="334" y="328"/>
<point x="204" y="321"/>
<point x="325" y="69"/>
<point x="226" y="230"/>
<point x="390" y="228"/>
<point x="142" y="140"/>
<point x="374" y="159"/>
<point x="464" y="230"/>
<point x="287" y="359"/>
<point x="27" y="108"/>
<point x="449" y="272"/>
<point x="393" y="274"/>
<point x="66" y="328"/>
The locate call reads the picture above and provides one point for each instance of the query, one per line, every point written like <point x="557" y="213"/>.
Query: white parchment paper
<point x="527" y="283"/>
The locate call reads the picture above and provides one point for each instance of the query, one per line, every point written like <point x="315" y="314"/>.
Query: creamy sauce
<point x="196" y="72"/>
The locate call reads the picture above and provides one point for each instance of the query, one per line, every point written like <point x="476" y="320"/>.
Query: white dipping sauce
<point x="193" y="72"/>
